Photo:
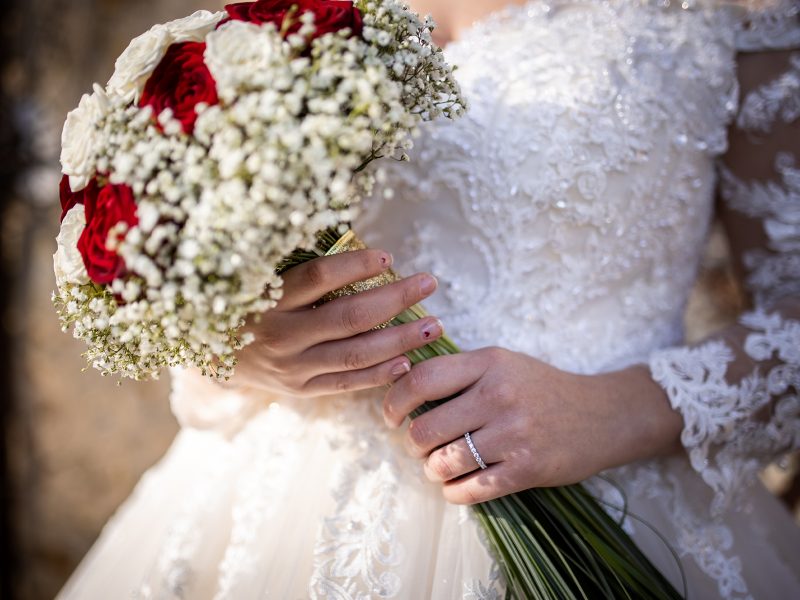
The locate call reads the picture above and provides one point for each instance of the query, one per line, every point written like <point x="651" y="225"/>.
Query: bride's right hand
<point x="309" y="350"/>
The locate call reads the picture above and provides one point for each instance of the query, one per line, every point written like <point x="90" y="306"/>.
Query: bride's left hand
<point x="534" y="425"/>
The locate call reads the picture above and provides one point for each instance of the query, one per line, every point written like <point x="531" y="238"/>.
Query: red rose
<point x="264" y="11"/>
<point x="113" y="204"/>
<point x="329" y="15"/>
<point x="70" y="198"/>
<point x="180" y="82"/>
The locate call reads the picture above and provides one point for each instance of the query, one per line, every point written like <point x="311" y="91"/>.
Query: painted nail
<point x="432" y="330"/>
<point x="401" y="368"/>
<point x="427" y="284"/>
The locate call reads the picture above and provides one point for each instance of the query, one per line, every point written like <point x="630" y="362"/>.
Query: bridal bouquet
<point x="229" y="146"/>
<point x="222" y="142"/>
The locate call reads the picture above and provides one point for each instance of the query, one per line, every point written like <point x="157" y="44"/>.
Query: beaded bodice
<point x="565" y="213"/>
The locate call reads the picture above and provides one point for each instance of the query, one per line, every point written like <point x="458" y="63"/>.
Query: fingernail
<point x="432" y="330"/>
<point x="386" y="260"/>
<point x="427" y="284"/>
<point x="401" y="368"/>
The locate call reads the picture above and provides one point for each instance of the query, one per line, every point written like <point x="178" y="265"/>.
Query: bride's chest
<point x="550" y="77"/>
<point x="580" y="179"/>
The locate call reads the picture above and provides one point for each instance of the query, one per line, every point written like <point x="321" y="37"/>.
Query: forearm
<point x="653" y="422"/>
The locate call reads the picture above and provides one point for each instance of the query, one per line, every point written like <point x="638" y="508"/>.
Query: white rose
<point x="195" y="27"/>
<point x="79" y="138"/>
<point x="67" y="261"/>
<point x="139" y="59"/>
<point x="236" y="52"/>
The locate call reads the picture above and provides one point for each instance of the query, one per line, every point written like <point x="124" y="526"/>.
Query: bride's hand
<point x="532" y="424"/>
<point x="308" y="351"/>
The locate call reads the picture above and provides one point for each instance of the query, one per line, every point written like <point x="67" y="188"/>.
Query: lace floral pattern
<point x="768" y="25"/>
<point x="708" y="542"/>
<point x="727" y="441"/>
<point x="777" y="101"/>
<point x="357" y="548"/>
<point x="259" y="493"/>
<point x="775" y="272"/>
<point x="598" y="186"/>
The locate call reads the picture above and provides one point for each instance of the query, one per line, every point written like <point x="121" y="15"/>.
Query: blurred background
<point x="74" y="443"/>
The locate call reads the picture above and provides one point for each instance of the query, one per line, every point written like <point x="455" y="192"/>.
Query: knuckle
<point x="440" y="467"/>
<point x="354" y="358"/>
<point x="417" y="380"/>
<point x="419" y="433"/>
<point x="341" y="383"/>
<point x="296" y="386"/>
<point x="355" y="318"/>
<point x="494" y="353"/>
<point x="272" y="340"/>
<point x="315" y="273"/>
<point x="503" y="393"/>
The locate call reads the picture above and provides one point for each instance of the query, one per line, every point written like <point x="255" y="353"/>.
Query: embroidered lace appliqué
<point x="732" y="429"/>
<point x="708" y="542"/>
<point x="769" y="25"/>
<point x="357" y="547"/>
<point x="775" y="273"/>
<point x="777" y="101"/>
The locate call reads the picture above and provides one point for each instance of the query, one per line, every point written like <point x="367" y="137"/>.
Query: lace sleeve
<point x="739" y="392"/>
<point x="768" y="25"/>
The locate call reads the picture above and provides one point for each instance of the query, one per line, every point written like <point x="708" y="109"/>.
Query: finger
<point x="482" y="485"/>
<point x="308" y="282"/>
<point x="433" y="379"/>
<point x="455" y="459"/>
<point x="445" y="423"/>
<point x="349" y="381"/>
<point x="371" y="348"/>
<point x="348" y="316"/>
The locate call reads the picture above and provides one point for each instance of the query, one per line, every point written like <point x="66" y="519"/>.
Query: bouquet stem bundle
<point x="551" y="542"/>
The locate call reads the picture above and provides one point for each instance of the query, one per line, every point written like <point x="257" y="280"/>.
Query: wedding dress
<point x="564" y="216"/>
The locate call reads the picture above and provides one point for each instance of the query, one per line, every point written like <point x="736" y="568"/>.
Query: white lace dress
<point x="565" y="217"/>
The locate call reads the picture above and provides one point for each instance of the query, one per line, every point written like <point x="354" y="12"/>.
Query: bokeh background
<point x="74" y="443"/>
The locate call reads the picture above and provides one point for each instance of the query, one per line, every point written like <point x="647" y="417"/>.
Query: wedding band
<point x="474" y="451"/>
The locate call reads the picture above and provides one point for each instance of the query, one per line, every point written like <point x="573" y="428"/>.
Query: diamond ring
<point x="474" y="451"/>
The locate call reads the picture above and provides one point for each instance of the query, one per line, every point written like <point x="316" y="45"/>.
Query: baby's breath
<point x="282" y="156"/>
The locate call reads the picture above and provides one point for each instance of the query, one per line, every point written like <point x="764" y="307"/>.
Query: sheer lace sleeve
<point x="768" y="25"/>
<point x="739" y="392"/>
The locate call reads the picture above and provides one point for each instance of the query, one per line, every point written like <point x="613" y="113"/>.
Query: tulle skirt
<point x="315" y="498"/>
<point x="311" y="499"/>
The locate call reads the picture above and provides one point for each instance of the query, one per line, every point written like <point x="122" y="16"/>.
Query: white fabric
<point x="564" y="216"/>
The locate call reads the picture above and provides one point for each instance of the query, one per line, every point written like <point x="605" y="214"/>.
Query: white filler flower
<point x="238" y="52"/>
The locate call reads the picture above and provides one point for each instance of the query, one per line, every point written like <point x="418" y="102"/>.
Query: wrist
<point x="650" y="427"/>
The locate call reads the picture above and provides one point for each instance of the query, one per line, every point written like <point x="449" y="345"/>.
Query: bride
<point x="564" y="219"/>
